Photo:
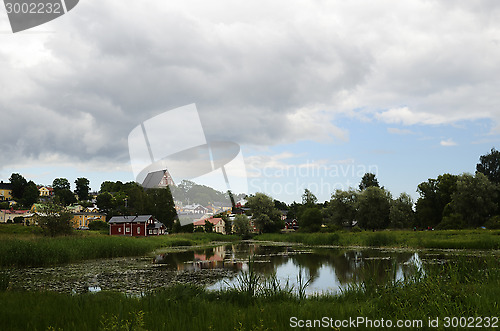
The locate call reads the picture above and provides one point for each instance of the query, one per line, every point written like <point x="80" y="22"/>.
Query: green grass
<point x="468" y="288"/>
<point x="445" y="239"/>
<point x="35" y="250"/>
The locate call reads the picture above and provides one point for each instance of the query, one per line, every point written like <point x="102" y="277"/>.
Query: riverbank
<point x="21" y="247"/>
<point x="463" y="288"/>
<point x="443" y="239"/>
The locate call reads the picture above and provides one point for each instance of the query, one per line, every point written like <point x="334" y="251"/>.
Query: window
<point x="127" y="230"/>
<point x="138" y="230"/>
<point x="120" y="230"/>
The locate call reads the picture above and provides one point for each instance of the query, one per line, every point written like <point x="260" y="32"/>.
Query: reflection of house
<point x="5" y="191"/>
<point x="8" y="215"/>
<point x="143" y="225"/>
<point x="218" y="224"/>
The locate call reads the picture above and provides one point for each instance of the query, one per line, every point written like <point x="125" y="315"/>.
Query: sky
<point x="316" y="93"/>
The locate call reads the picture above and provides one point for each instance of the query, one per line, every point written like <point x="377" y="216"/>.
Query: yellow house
<point x="82" y="220"/>
<point x="46" y="191"/>
<point x="5" y="191"/>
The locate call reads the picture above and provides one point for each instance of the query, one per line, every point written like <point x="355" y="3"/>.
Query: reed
<point x="461" y="288"/>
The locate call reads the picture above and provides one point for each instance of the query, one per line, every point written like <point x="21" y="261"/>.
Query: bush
<point x="98" y="225"/>
<point x="493" y="222"/>
<point x="454" y="221"/>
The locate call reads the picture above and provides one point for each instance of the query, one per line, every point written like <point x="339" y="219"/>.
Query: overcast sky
<point x="407" y="89"/>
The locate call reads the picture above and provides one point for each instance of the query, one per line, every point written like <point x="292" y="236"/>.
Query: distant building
<point x="218" y="224"/>
<point x="81" y="220"/>
<point x="8" y="215"/>
<point x="5" y="191"/>
<point x="46" y="191"/>
<point x="138" y="226"/>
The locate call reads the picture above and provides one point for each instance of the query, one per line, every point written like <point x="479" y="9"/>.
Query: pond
<point x="329" y="269"/>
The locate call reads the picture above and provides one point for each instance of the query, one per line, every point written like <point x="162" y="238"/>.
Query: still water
<point x="329" y="269"/>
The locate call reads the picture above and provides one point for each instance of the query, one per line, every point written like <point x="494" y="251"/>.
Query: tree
<point x="367" y="181"/>
<point x="65" y="197"/>
<point x="343" y="207"/>
<point x="54" y="220"/>
<point x="30" y="195"/>
<point x="309" y="199"/>
<point x="161" y="204"/>
<point x="18" y="185"/>
<point x="208" y="226"/>
<point x="241" y="225"/>
<point x="60" y="184"/>
<point x="373" y="208"/>
<point x="280" y="205"/>
<point x="105" y="202"/>
<point x="435" y="195"/>
<point x="489" y="165"/>
<point x="310" y="220"/>
<point x="266" y="217"/>
<point x="228" y="226"/>
<point x="82" y="188"/>
<point x="401" y="214"/>
<point x="474" y="198"/>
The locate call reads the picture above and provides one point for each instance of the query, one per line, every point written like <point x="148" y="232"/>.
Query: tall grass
<point x="462" y="288"/>
<point x="43" y="251"/>
<point x="446" y="239"/>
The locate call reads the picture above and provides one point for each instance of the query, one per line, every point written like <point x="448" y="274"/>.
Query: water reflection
<point x="329" y="269"/>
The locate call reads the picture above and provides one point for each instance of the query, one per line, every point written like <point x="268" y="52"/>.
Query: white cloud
<point x="448" y="142"/>
<point x="260" y="73"/>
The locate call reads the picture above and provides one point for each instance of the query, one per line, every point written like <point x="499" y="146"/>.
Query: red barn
<point x="139" y="226"/>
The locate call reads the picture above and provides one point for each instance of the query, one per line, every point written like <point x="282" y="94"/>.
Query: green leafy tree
<point x="475" y="198"/>
<point x="401" y="214"/>
<point x="105" y="202"/>
<point x="280" y="205"/>
<point x="309" y="200"/>
<point x="310" y="220"/>
<point x="367" y="181"/>
<point x="54" y="220"/>
<point x="373" y="208"/>
<point x="107" y="186"/>
<point x="343" y="207"/>
<point x="266" y="217"/>
<point x="208" y="226"/>
<point x="65" y="197"/>
<point x="82" y="188"/>
<point x="161" y="204"/>
<point x="60" y="184"/>
<point x="18" y="185"/>
<point x="435" y="195"/>
<point x="489" y="165"/>
<point x="228" y="224"/>
<point x="30" y="194"/>
<point x="241" y="225"/>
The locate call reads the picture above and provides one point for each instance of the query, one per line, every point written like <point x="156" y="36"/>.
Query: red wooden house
<point x="138" y="226"/>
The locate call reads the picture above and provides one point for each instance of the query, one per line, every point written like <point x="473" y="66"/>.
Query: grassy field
<point x="463" y="288"/>
<point x="444" y="239"/>
<point x="25" y="247"/>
